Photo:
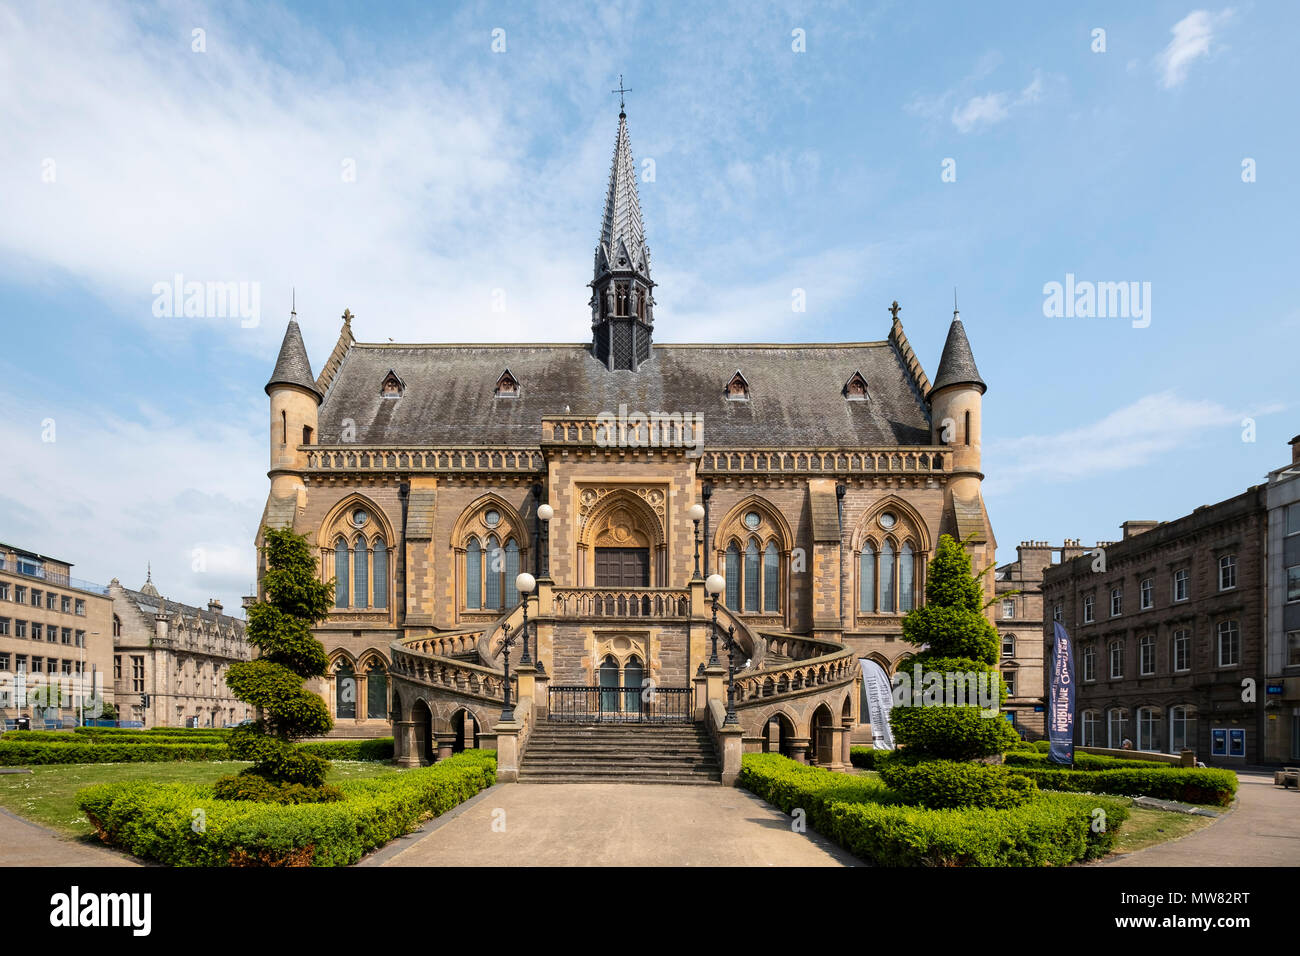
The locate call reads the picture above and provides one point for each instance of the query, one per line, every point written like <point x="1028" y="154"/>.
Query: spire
<point x="292" y="367"/>
<point x="148" y="587"/>
<point x="957" y="365"/>
<point x="622" y="246"/>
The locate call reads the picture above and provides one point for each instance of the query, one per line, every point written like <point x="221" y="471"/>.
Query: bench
<point x="1287" y="776"/>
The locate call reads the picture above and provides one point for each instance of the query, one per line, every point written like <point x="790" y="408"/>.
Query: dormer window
<point x="393" y="387"/>
<point x="507" y="386"/>
<point x="855" y="389"/>
<point x="738" y="388"/>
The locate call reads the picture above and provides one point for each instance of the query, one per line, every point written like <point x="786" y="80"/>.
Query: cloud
<point x="978" y="111"/>
<point x="1192" y="38"/>
<point x="1126" y="438"/>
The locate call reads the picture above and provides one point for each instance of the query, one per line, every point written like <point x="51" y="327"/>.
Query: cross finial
<point x="347" y="315"/>
<point x="895" y="309"/>
<point x="620" y="91"/>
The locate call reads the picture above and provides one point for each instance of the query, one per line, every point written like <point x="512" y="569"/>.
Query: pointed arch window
<point x="512" y="572"/>
<point x="751" y="576"/>
<point x="473" y="575"/>
<point x="906" y="579"/>
<point x="887" y="600"/>
<point x="771" y="578"/>
<point x="492" y="577"/>
<point x="360" y="574"/>
<point x="867" y="579"/>
<point x="376" y="691"/>
<point x="379" y="573"/>
<point x="341" y="572"/>
<point x="345" y="691"/>
<point x="733" y="576"/>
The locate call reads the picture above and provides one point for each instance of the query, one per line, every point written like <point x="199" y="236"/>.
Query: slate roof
<point x="795" y="393"/>
<point x="292" y="366"/>
<point x="957" y="364"/>
<point x="152" y="604"/>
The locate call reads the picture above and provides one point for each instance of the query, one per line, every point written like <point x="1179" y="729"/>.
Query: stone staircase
<point x="619" y="753"/>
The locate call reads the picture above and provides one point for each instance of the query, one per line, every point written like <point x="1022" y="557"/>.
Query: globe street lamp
<point x="546" y="513"/>
<point x="696" y="514"/>
<point x="714" y="584"/>
<point x="524" y="584"/>
<point x="730" y="642"/>
<point x="507" y="641"/>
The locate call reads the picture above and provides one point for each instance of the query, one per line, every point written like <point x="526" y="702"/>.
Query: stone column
<point x="838" y="746"/>
<point x="405" y="751"/>
<point x="541" y="695"/>
<point x="359" y="682"/>
<point x="731" y="742"/>
<point x="507" y="751"/>
<point x="701" y="694"/>
<point x="799" y="748"/>
<point x="445" y="744"/>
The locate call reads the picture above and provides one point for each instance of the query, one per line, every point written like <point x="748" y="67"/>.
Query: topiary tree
<point x="280" y="628"/>
<point x="956" y="640"/>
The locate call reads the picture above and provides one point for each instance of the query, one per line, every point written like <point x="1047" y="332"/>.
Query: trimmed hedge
<point x="950" y="784"/>
<point x="865" y="757"/>
<point x="121" y="740"/>
<point x="1084" y="761"/>
<point x="868" y="820"/>
<point x="164" y="731"/>
<point x="1188" y="785"/>
<point x="43" y="752"/>
<point x="184" y="825"/>
<point x="378" y="749"/>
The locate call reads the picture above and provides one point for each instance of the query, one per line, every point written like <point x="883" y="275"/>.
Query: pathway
<point x="27" y="844"/>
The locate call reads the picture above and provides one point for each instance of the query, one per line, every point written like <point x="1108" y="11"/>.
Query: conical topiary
<point x="280" y="627"/>
<point x="957" y="641"/>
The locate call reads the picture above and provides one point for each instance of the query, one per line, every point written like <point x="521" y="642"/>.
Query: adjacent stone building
<point x="175" y="656"/>
<point x="1282" y="695"/>
<point x="55" y="631"/>
<point x="1168" y="629"/>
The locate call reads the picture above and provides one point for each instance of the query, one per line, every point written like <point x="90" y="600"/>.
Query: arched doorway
<point x="423" y="719"/>
<point x="465" y="726"/>
<point x="779" y="732"/>
<point x="376" y="691"/>
<point x="820" y="732"/>
<point x="345" y="692"/>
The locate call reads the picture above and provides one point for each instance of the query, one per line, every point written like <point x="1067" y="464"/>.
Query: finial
<point x="620" y="91"/>
<point x="293" y="302"/>
<point x="347" y="316"/>
<point x="895" y="309"/>
<point x="148" y="572"/>
<point x="955" y="314"/>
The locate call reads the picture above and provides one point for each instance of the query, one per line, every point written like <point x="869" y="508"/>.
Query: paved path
<point x="575" y="824"/>
<point x="1262" y="830"/>
<point x="27" y="844"/>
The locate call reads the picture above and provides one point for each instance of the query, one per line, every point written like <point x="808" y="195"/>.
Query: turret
<point x="955" y="401"/>
<point x="295" y="403"/>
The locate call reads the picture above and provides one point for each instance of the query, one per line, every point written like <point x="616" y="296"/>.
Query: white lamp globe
<point x="714" y="583"/>
<point x="696" y="513"/>
<point x="525" y="583"/>
<point x="546" y="512"/>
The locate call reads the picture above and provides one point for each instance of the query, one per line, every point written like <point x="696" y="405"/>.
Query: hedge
<point x="867" y="819"/>
<point x="1189" y="785"/>
<point x="378" y="749"/>
<point x="166" y="731"/>
<point x="864" y="757"/>
<point x="1084" y="761"/>
<point x="185" y="825"/>
<point x="952" y="784"/>
<point x="62" y="737"/>
<point x="42" y="752"/>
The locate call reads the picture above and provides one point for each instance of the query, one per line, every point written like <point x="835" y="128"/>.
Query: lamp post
<point x="524" y="584"/>
<point x="507" y="641"/>
<point x="714" y="584"/>
<point x="546" y="513"/>
<point x="706" y="492"/>
<point x="696" y="514"/>
<point x="730" y="641"/>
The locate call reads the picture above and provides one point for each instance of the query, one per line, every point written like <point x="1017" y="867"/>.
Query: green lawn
<point x="1146" y="827"/>
<point x="48" y="795"/>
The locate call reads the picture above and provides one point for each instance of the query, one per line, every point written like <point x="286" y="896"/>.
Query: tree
<point x="957" y="641"/>
<point x="280" y="627"/>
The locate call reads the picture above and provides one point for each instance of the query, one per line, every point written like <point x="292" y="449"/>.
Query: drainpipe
<point x="706" y="493"/>
<point x="840" y="490"/>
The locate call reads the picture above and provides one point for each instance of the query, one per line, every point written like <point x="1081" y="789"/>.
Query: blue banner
<point x="1060" y="699"/>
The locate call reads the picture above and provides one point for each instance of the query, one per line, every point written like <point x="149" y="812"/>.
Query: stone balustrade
<point x="873" y="461"/>
<point x="423" y="667"/>
<point x="354" y="458"/>
<point x="797" y="678"/>
<point x="652" y="603"/>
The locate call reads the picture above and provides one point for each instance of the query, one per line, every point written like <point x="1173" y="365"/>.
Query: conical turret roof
<point x="957" y="365"/>
<point x="292" y="367"/>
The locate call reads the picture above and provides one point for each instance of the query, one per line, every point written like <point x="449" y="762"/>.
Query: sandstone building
<point x="420" y="472"/>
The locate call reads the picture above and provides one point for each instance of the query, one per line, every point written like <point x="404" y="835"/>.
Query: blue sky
<point x="130" y="156"/>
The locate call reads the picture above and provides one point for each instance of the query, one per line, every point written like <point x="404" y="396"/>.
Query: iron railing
<point x="632" y="705"/>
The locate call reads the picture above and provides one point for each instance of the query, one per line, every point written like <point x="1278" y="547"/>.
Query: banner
<point x="1060" y="699"/>
<point x="876" y="688"/>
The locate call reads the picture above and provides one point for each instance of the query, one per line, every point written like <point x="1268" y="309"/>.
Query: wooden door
<point x="622" y="567"/>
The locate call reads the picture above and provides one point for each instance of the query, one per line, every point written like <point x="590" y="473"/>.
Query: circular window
<point x="887" y="520"/>
<point x="359" y="517"/>
<point x="752" y="520"/>
<point x="492" y="518"/>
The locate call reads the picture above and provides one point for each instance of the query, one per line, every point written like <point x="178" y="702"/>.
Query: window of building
<point x="4" y="628"/>
<point x="1293" y="519"/>
<point x="1293" y="648"/>
<point x="36" y="598"/>
<point x="65" y="635"/>
<point x="4" y="591"/>
<point x="1227" y="572"/>
<point x="20" y="628"/>
<point x="366" y="586"/>
<point x="1088" y="729"/>
<point x="1146" y="594"/>
<point x="1008" y="645"/>
<point x="1088" y="601"/>
<point x="137" y="674"/>
<point x="80" y="607"/>
<point x="1008" y="609"/>
<point x="1116" y="727"/>
<point x="65" y="604"/>
<point x="1229" y="644"/>
<point x="1180" y="584"/>
<point x="117" y="626"/>
<point x="38" y="630"/>
<point x="20" y="594"/>
<point x="117" y="667"/>
<point x="1090" y="663"/>
<point x="490" y="572"/>
<point x="81" y="638"/>
<point x="1182" y="651"/>
<point x="345" y="691"/>
<point x="1293" y="583"/>
<point x="4" y="661"/>
<point x="1147" y="727"/>
<point x="51" y="601"/>
<point x="887" y="578"/>
<point x="1147" y="655"/>
<point x="1009" y="678"/>
<point x="1116" y="660"/>
<point x="1116" y="601"/>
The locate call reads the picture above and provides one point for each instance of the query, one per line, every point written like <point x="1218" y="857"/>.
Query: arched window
<point x="379" y="574"/>
<point x="341" y="572"/>
<point x="751" y="576"/>
<point x="1088" y="732"/>
<point x="867" y="579"/>
<point x="345" y="691"/>
<point x="887" y="601"/>
<point x="771" y="578"/>
<point x="1182" y="728"/>
<point x="1116" y="727"/>
<point x="632" y="676"/>
<point x="609" y="684"/>
<point x="360" y="574"/>
<point x="733" y="577"/>
<point x="473" y="575"/>
<point x="1147" y="729"/>
<point x="376" y="691"/>
<point x="906" y="579"/>
<point x="512" y="572"/>
<point x="495" y="563"/>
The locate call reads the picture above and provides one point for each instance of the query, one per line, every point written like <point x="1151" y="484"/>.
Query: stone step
<point x="692" y="780"/>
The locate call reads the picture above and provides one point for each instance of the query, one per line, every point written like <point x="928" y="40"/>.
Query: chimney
<point x="1134" y="528"/>
<point x="214" y="605"/>
<point x="1295" y="450"/>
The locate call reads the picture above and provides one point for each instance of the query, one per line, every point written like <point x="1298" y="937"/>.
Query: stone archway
<point x="422" y="718"/>
<point x="619" y="526"/>
<point x="821" y="732"/>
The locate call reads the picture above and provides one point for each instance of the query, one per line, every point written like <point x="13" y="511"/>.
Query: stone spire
<point x="148" y="587"/>
<point x="957" y="365"/>
<point x="622" y="301"/>
<point x="292" y="367"/>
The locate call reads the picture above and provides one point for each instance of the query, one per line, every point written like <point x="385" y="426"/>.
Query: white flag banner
<point x="875" y="682"/>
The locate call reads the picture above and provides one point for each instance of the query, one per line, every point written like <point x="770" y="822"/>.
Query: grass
<point x="48" y="795"/>
<point x="1146" y="827"/>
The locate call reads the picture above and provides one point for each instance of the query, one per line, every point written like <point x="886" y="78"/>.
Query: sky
<point x="440" y="169"/>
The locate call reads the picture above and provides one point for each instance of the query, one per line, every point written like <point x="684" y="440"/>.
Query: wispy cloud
<point x="977" y="111"/>
<point x="1192" y="39"/>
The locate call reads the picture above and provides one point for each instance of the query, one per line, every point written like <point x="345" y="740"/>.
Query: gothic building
<point x="422" y="474"/>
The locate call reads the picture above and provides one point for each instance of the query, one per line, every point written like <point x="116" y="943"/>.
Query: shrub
<point x="952" y="733"/>
<point x="1043" y="746"/>
<point x="164" y="823"/>
<point x="865" y="757"/>
<point x="1189" y="785"/>
<point x="869" y="821"/>
<point x="1084" y="761"/>
<point x="948" y="784"/>
<point x="45" y="752"/>
<point x="378" y="749"/>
